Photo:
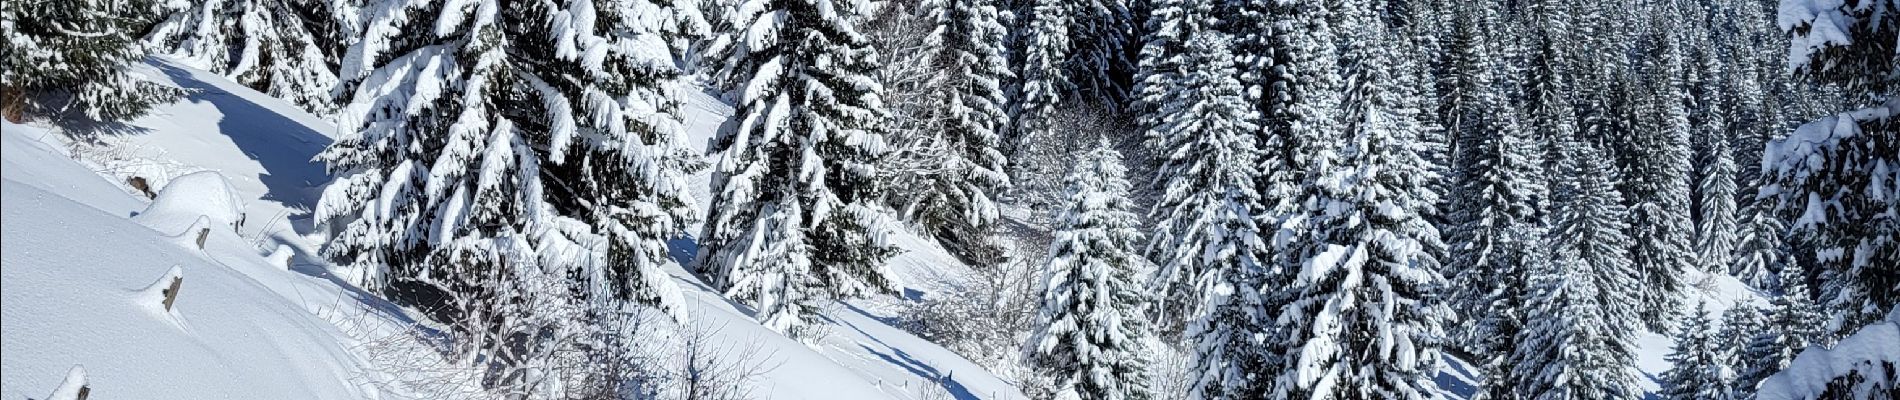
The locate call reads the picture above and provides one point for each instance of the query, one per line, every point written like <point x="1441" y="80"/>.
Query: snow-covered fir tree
<point x="1207" y="246"/>
<point x="1494" y="228"/>
<point x="1794" y="323"/>
<point x="1760" y="249"/>
<point x="956" y="200"/>
<point x="284" y="48"/>
<point x="1568" y="350"/>
<point x="1716" y="227"/>
<point x="1697" y="371"/>
<point x="1044" y="78"/>
<point x="794" y="221"/>
<point x="551" y="128"/>
<point x="1364" y="320"/>
<point x="73" y="61"/>
<point x="1654" y="159"/>
<point x="1578" y="343"/>
<point x="1835" y="175"/>
<point x="1740" y="324"/>
<point x="1090" y="331"/>
<point x="1203" y="144"/>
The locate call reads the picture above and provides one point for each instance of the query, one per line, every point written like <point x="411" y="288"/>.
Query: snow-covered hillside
<point x="250" y="324"/>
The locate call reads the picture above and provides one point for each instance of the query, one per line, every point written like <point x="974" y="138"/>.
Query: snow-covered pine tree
<point x="1761" y="249"/>
<point x="1716" y="238"/>
<point x="284" y="48"/>
<point x="1655" y="163"/>
<point x="1567" y="350"/>
<point x="1740" y="324"/>
<point x="955" y="201"/>
<point x="1794" y="323"/>
<point x="549" y="125"/>
<point x="1206" y="157"/>
<point x="72" y="61"/>
<point x="1715" y="229"/>
<point x="1495" y="229"/>
<point x="1577" y="342"/>
<point x="1364" y="320"/>
<point x="1089" y="337"/>
<point x="793" y="222"/>
<point x="1835" y="175"/>
<point x="1207" y="245"/>
<point x="1697" y="371"/>
<point x="1045" y="83"/>
<point x="1103" y="34"/>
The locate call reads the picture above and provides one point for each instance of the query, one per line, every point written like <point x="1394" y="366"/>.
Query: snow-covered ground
<point x="81" y="249"/>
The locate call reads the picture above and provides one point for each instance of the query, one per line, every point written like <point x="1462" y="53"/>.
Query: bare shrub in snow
<point x="704" y="370"/>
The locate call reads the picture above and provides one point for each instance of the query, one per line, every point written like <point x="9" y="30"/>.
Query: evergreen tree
<point x="1835" y="175"/>
<point x="1577" y="342"/>
<point x="1655" y="163"/>
<point x="1794" y="323"/>
<point x="1716" y="230"/>
<point x="1760" y="249"/>
<point x="1740" y="324"/>
<point x="1365" y="319"/>
<point x="545" y="133"/>
<point x="1207" y="244"/>
<point x="1494" y="222"/>
<point x="1567" y="349"/>
<point x="284" y="48"/>
<point x="1696" y="370"/>
<point x="956" y="201"/>
<point x="72" y="61"/>
<point x="793" y="222"/>
<point x="1205" y="151"/>
<point x="1090" y="333"/>
<point x="1045" y="81"/>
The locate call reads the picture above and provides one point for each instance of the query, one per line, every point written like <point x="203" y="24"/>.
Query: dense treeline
<point x="1332" y="194"/>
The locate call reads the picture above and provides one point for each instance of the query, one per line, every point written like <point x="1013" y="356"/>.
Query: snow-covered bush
<point x="1863" y="366"/>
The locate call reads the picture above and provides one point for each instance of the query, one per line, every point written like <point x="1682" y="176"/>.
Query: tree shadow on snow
<point x="281" y="145"/>
<point x="904" y="360"/>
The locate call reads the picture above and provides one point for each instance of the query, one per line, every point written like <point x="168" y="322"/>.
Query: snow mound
<point x="187" y="199"/>
<point x="1873" y="353"/>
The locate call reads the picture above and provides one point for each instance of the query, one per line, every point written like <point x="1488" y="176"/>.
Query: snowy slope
<point x="247" y="327"/>
<point x="72" y="265"/>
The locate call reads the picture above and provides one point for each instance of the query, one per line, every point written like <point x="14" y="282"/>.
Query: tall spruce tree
<point x="1091" y="325"/>
<point x="1716" y="239"/>
<point x="965" y="112"/>
<point x="1207" y="245"/>
<point x="1761" y="250"/>
<point x="1365" y="317"/>
<point x="1206" y="155"/>
<point x="72" y="61"/>
<point x="1495" y="226"/>
<point x="1697" y="371"/>
<point x="793" y="222"/>
<point x="1577" y="342"/>
<point x="285" y="48"/>
<point x="488" y="126"/>
<point x="1740" y="324"/>
<point x="1655" y="163"/>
